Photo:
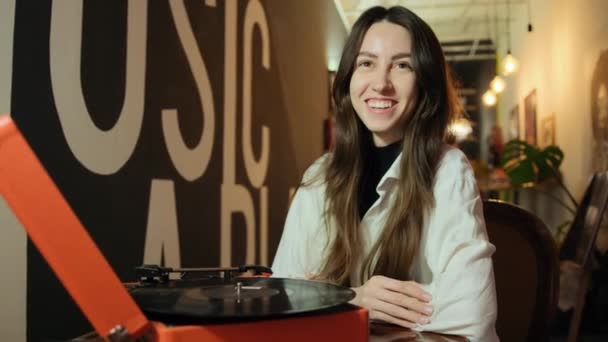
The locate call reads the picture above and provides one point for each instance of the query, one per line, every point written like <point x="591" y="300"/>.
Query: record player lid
<point x="61" y="239"/>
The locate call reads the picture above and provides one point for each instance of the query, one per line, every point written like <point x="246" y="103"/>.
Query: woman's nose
<point x="382" y="82"/>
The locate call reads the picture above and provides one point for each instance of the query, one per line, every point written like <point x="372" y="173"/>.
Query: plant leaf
<point x="516" y="162"/>
<point x="525" y="163"/>
<point x="549" y="162"/>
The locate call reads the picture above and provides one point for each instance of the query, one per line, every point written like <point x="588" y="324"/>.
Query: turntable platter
<point x="212" y="300"/>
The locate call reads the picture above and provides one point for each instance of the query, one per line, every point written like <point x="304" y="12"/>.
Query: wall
<point x="175" y="130"/>
<point x="301" y="40"/>
<point x="558" y="59"/>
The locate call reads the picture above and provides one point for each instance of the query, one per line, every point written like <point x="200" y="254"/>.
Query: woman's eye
<point x="365" y="64"/>
<point x="404" y="65"/>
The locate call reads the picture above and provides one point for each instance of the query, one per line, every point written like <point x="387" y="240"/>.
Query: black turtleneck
<point x="377" y="161"/>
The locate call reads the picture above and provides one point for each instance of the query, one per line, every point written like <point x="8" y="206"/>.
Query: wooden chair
<point x="579" y="243"/>
<point x="526" y="272"/>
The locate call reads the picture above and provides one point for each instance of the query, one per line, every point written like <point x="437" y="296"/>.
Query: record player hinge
<point x="119" y="334"/>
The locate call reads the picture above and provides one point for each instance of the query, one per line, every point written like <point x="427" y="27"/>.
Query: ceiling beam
<point x="477" y="57"/>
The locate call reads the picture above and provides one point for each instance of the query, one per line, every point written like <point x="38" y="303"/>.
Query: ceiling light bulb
<point x="489" y="98"/>
<point x="498" y="84"/>
<point x="510" y="64"/>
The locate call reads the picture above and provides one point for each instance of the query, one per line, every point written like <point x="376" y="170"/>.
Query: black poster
<point x="163" y="125"/>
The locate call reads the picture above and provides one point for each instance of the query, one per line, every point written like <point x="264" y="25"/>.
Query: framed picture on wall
<point x="547" y="130"/>
<point x="514" y="123"/>
<point x="530" y="104"/>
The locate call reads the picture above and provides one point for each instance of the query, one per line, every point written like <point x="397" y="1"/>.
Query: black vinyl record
<point x="215" y="299"/>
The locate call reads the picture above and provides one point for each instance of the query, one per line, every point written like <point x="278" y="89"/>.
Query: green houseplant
<point x="528" y="166"/>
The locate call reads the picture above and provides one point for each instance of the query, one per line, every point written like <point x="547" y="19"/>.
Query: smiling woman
<point x="393" y="211"/>
<point x="382" y="86"/>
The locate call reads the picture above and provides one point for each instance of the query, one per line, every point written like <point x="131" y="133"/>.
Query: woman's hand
<point x="404" y="303"/>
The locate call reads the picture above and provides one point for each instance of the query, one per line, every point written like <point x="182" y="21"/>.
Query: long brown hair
<point x="423" y="135"/>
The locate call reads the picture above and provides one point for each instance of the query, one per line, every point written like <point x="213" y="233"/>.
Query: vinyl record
<point x="212" y="300"/>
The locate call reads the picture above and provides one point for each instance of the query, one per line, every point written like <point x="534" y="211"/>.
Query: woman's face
<point x="383" y="84"/>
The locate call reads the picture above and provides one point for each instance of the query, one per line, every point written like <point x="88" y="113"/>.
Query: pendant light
<point x="509" y="64"/>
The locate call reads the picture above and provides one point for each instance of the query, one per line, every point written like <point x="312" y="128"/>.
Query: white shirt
<point x="454" y="261"/>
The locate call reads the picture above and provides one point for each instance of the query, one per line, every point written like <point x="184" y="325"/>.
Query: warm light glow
<point x="461" y="128"/>
<point x="509" y="64"/>
<point x="332" y="63"/>
<point x="489" y="98"/>
<point x="497" y="85"/>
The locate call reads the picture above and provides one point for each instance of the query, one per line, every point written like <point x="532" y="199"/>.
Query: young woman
<point x="393" y="211"/>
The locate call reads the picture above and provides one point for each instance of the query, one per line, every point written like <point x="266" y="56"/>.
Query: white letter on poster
<point x="162" y="235"/>
<point x="256" y="171"/>
<point x="102" y="152"/>
<point x="7" y="33"/>
<point x="235" y="198"/>
<point x="190" y="163"/>
<point x="264" y="225"/>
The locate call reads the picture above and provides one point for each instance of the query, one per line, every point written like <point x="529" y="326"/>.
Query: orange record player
<point x="203" y="308"/>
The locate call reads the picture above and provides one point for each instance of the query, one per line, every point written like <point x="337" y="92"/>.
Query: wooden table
<point x="392" y="333"/>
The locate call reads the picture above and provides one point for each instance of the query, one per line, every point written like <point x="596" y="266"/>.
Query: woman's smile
<point x="381" y="106"/>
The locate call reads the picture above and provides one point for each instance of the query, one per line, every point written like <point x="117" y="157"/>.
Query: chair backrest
<point x="526" y="272"/>
<point x="580" y="239"/>
<point x="579" y="245"/>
